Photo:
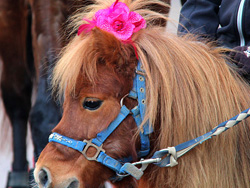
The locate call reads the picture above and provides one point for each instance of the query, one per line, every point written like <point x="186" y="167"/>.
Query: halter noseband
<point x="163" y="158"/>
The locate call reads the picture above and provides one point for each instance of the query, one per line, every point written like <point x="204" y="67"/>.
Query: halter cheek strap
<point x="138" y="92"/>
<point x="122" y="167"/>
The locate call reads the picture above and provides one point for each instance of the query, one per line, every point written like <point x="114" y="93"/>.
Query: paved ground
<point x="5" y="133"/>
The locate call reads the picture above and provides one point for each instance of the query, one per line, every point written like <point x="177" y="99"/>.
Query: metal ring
<point x="121" y="101"/>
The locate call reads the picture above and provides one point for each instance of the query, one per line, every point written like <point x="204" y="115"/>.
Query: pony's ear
<point x="113" y="51"/>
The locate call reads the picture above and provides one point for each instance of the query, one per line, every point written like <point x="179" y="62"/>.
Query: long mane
<point x="193" y="89"/>
<point x="190" y="90"/>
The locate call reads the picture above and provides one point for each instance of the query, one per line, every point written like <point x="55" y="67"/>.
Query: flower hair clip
<point x="116" y="19"/>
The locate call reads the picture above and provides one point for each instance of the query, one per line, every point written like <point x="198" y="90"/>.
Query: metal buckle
<point x="140" y="72"/>
<point x="90" y="144"/>
<point x="145" y="162"/>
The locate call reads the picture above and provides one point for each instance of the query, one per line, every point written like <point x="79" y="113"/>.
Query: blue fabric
<point x="103" y="135"/>
<point x="209" y="134"/>
<point x="145" y="143"/>
<point x="74" y="144"/>
<point x="109" y="162"/>
<point x="141" y="92"/>
<point x="199" y="140"/>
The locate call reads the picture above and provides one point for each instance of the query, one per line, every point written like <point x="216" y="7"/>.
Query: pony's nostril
<point x="74" y="184"/>
<point x="44" y="178"/>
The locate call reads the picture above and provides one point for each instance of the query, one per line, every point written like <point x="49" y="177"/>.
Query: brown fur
<point x="190" y="90"/>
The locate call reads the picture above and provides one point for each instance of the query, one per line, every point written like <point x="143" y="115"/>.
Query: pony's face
<point x="87" y="111"/>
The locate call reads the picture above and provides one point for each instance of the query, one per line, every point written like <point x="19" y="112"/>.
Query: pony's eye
<point x="92" y="103"/>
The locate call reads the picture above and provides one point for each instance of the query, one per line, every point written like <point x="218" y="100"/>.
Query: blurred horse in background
<point x="31" y="36"/>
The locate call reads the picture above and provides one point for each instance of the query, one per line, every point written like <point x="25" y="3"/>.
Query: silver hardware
<point x="121" y="176"/>
<point x="140" y="72"/>
<point x="121" y="102"/>
<point x="141" y="78"/>
<point x="142" y="90"/>
<point x="90" y="144"/>
<point x="145" y="162"/>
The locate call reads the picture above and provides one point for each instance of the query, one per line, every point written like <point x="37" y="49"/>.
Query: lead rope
<point x="163" y="158"/>
<point x="173" y="153"/>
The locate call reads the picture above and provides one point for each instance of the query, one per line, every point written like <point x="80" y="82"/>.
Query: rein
<point x="163" y="158"/>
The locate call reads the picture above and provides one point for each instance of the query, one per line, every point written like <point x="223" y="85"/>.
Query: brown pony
<point x="190" y="89"/>
<point x="31" y="35"/>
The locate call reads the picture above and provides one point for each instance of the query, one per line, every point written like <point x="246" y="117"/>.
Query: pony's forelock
<point x="80" y="55"/>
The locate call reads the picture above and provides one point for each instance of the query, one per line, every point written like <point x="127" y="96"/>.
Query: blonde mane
<point x="192" y="88"/>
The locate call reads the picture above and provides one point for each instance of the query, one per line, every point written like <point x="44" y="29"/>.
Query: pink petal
<point x="125" y="33"/>
<point x="108" y="18"/>
<point x="86" y="27"/>
<point x="138" y="21"/>
<point x="121" y="6"/>
<point x="103" y="24"/>
<point x="102" y="13"/>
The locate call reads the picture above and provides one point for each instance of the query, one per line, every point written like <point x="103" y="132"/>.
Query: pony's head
<point x="93" y="76"/>
<point x="96" y="136"/>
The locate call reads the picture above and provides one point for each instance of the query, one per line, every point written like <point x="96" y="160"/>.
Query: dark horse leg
<point x="16" y="82"/>
<point x="46" y="24"/>
<point x="48" y="34"/>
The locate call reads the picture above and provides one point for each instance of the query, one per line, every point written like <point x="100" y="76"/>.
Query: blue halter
<point x="163" y="158"/>
<point x="121" y="167"/>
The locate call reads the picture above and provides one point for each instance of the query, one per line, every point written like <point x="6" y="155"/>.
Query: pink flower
<point x="117" y="20"/>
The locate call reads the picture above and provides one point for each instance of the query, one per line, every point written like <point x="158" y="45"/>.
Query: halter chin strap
<point x="121" y="167"/>
<point x="163" y="158"/>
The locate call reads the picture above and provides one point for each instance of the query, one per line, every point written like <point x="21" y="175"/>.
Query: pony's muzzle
<point x="45" y="180"/>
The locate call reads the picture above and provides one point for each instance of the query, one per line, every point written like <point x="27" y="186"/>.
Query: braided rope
<point x="232" y="122"/>
<point x="181" y="149"/>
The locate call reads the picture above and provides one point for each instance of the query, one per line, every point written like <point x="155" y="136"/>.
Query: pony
<point x="189" y="90"/>
<point x="32" y="34"/>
